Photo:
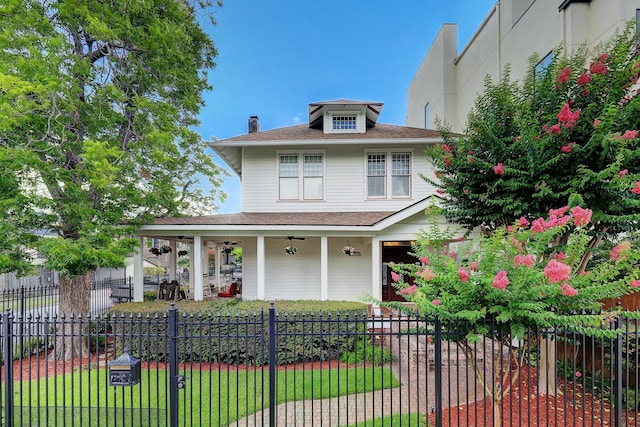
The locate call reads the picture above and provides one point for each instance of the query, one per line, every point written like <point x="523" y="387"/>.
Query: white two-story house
<point x="342" y="179"/>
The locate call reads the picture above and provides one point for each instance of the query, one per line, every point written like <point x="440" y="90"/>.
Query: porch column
<point x="138" y="271"/>
<point x="260" y="267"/>
<point x="324" y="268"/>
<point x="376" y="269"/>
<point x="197" y="268"/>
<point x="172" y="259"/>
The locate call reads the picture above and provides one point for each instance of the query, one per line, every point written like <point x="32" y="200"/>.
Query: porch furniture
<point x="229" y="293"/>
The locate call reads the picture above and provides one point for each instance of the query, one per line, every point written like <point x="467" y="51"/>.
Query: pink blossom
<point x="526" y="260"/>
<point x="453" y="255"/>
<point x="559" y="256"/>
<point x="537" y="226"/>
<point x="425" y="274"/>
<point x="596" y="122"/>
<point x="424" y="260"/>
<point x="598" y="68"/>
<point x="545" y="127"/>
<point x="581" y="216"/>
<point x="395" y="276"/>
<point x="440" y="191"/>
<point x="564" y="75"/>
<point x="498" y="169"/>
<point x="436" y="302"/>
<point x="622" y="173"/>
<point x="554" y="129"/>
<point x="463" y="275"/>
<point x="616" y="252"/>
<point x="634" y="283"/>
<point x="568" y="291"/>
<point x="630" y="134"/>
<point x="568" y="117"/>
<point x="556" y="271"/>
<point x="636" y="189"/>
<point x="578" y="374"/>
<point x="473" y="266"/>
<point x="500" y="280"/>
<point x="522" y="222"/>
<point x="583" y="79"/>
<point x="447" y="161"/>
<point x="411" y="290"/>
<point x="567" y="148"/>
<point x="556" y="213"/>
<point x="446" y="148"/>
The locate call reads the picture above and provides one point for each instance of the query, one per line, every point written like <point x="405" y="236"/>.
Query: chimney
<point x="254" y="124"/>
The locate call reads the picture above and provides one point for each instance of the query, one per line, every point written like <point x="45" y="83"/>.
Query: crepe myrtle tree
<point x="98" y="105"/>
<point x="571" y="129"/>
<point x="527" y="277"/>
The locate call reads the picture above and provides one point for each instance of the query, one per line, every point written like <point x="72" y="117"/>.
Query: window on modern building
<point x="544" y="63"/>
<point x="306" y="186"/>
<point x="427" y="116"/>
<point x="344" y="122"/>
<point x="398" y="176"/>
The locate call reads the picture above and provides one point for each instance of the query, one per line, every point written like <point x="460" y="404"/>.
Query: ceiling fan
<point x="290" y="238"/>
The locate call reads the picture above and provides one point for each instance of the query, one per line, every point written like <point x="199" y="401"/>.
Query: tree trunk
<point x="547" y="367"/>
<point x="73" y="309"/>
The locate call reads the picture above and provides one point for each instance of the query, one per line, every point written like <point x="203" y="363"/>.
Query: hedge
<point x="241" y="338"/>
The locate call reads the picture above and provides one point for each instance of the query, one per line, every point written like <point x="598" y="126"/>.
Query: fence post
<point x="173" y="365"/>
<point x="22" y="299"/>
<point x="7" y="359"/>
<point x="272" y="365"/>
<point x="438" y="369"/>
<point x="618" y="376"/>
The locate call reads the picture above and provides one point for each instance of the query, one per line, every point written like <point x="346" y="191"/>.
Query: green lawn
<point x="209" y="398"/>
<point x="399" y="420"/>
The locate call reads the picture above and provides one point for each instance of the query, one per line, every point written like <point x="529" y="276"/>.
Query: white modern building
<point x="448" y="81"/>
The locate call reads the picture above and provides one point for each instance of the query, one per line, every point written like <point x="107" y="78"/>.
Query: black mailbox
<point x="125" y="370"/>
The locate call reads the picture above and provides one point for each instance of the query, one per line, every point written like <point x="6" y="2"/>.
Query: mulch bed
<point x="523" y="406"/>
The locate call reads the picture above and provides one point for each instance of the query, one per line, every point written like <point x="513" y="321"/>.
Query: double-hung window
<point x="388" y="175"/>
<point x="301" y="176"/>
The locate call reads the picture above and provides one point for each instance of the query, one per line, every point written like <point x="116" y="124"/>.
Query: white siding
<point x="345" y="181"/>
<point x="296" y="276"/>
<point x="349" y="276"/>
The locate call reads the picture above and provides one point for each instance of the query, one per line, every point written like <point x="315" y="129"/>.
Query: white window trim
<point x="360" y="121"/>
<point x="388" y="152"/>
<point x="301" y="154"/>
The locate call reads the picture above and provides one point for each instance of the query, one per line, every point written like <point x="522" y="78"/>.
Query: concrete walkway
<point x="343" y="410"/>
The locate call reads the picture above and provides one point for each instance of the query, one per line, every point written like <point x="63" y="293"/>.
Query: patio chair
<point x="229" y="293"/>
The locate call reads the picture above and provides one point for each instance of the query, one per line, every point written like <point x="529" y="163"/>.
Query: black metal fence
<point x="297" y="369"/>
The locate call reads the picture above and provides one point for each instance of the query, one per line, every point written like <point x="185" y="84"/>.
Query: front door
<point x="398" y="253"/>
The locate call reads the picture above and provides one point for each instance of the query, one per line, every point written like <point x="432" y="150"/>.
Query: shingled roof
<point x="304" y="133"/>
<point x="283" y="218"/>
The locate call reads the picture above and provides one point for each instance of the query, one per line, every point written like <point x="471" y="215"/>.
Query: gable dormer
<point x="344" y="116"/>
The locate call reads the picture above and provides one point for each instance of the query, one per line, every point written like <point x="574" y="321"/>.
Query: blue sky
<point x="275" y="57"/>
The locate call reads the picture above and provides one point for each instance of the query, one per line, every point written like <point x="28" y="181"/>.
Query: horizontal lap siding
<point x="345" y="180"/>
<point x="292" y="276"/>
<point x="349" y="276"/>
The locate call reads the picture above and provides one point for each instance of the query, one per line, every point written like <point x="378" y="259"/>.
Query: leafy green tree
<point x="569" y="131"/>
<point x="98" y="104"/>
